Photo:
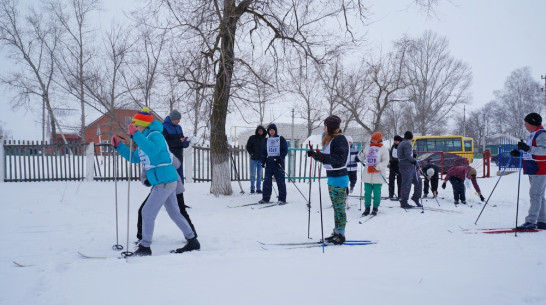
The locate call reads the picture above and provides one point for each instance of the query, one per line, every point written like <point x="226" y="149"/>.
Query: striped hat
<point x="143" y="118"/>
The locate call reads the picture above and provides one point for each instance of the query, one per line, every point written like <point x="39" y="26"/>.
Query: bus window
<point x="468" y="145"/>
<point x="420" y="145"/>
<point x="453" y="144"/>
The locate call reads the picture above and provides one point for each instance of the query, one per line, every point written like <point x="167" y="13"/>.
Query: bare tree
<point x="306" y="87"/>
<point x="76" y="51"/>
<point x="438" y="82"/>
<point x="104" y="84"/>
<point x="520" y="96"/>
<point x="367" y="92"/>
<point x="32" y="43"/>
<point x="474" y="125"/>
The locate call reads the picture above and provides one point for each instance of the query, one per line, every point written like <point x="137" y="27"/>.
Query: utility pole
<point x="464" y="120"/>
<point x="544" y="88"/>
<point x="292" y="136"/>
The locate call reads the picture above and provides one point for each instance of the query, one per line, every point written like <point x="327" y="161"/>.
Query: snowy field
<point x="419" y="258"/>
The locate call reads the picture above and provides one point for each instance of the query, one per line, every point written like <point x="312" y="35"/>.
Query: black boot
<point x="366" y="211"/>
<point x="374" y="211"/>
<point x="338" y="239"/>
<point x="192" y="244"/>
<point x="142" y="251"/>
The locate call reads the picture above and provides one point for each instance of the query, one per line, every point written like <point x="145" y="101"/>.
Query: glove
<point x="310" y="153"/>
<point x="414" y="162"/>
<point x="482" y="198"/>
<point x="523" y="146"/>
<point x="147" y="183"/>
<point x="444" y="185"/>
<point x="318" y="156"/>
<point x="263" y="164"/>
<point x="277" y="160"/>
<point x="357" y="159"/>
<point x="132" y="129"/>
<point x="514" y="153"/>
<point x="115" y="141"/>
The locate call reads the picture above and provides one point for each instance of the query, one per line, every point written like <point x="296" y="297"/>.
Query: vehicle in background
<point x="444" y="161"/>
<point x="459" y="145"/>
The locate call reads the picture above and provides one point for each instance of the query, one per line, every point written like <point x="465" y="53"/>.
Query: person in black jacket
<point x="430" y="173"/>
<point x="174" y="136"/>
<point x="334" y="154"/>
<point x="254" y="149"/>
<point x="394" y="171"/>
<point x="274" y="150"/>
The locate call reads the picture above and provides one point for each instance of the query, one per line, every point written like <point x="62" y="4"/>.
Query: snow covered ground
<point x="419" y="258"/>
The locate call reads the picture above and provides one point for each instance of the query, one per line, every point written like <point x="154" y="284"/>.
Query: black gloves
<point x="357" y="159"/>
<point x="514" y="153"/>
<point x="482" y="198"/>
<point x="414" y="162"/>
<point x="523" y="146"/>
<point x="263" y="164"/>
<point x="147" y="183"/>
<point x="318" y="156"/>
<point x="310" y="153"/>
<point x="444" y="185"/>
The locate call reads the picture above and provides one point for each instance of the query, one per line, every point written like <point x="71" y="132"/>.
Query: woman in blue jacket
<point x="154" y="156"/>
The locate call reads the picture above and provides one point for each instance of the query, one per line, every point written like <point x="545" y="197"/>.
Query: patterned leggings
<point x="338" y="195"/>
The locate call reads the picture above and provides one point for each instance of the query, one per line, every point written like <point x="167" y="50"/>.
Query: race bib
<point x="395" y="153"/>
<point x="144" y="160"/>
<point x="527" y="155"/>
<point x="372" y="156"/>
<point x="274" y="147"/>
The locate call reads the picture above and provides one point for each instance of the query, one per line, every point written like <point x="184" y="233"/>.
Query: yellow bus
<point x="459" y="145"/>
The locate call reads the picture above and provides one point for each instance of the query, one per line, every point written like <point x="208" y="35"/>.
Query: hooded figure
<point x="254" y="149"/>
<point x="274" y="150"/>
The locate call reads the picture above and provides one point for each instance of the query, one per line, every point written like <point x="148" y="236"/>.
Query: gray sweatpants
<point x="409" y="177"/>
<point x="537" y="210"/>
<point x="162" y="194"/>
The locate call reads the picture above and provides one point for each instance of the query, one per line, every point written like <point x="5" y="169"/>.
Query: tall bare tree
<point x="520" y="96"/>
<point x="104" y="83"/>
<point x="437" y="83"/>
<point x="306" y="87"/>
<point x="76" y="52"/>
<point x="32" y="42"/>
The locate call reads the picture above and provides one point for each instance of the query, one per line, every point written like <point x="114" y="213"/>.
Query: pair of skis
<point x="262" y="205"/>
<point x="501" y="231"/>
<point x="313" y="244"/>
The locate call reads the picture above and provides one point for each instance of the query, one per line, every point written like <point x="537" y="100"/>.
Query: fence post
<point x="90" y="162"/>
<point x="2" y="159"/>
<point x="188" y="163"/>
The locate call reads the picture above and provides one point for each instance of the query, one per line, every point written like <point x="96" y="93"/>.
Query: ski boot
<point x="366" y="211"/>
<point x="374" y="211"/>
<point x="192" y="244"/>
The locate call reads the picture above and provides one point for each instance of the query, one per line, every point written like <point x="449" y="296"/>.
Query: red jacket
<point x="461" y="172"/>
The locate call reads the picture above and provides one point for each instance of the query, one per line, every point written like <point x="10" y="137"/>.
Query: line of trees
<point x="212" y="59"/>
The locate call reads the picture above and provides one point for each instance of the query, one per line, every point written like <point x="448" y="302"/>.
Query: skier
<point x="394" y="171"/>
<point x="155" y="157"/>
<point x="408" y="171"/>
<point x="334" y="155"/>
<point x="430" y="173"/>
<point x="172" y="131"/>
<point x="352" y="164"/>
<point x="254" y="149"/>
<point x="377" y="159"/>
<point x="458" y="176"/>
<point x="274" y="149"/>
<point x="534" y="165"/>
<point x="179" y="198"/>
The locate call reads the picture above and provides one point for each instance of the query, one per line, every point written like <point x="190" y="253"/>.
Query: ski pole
<point x="128" y="253"/>
<point x="294" y="182"/>
<point x="502" y="173"/>
<point x="309" y="205"/>
<point x="320" y="203"/>
<point x="361" y="183"/>
<point x="230" y="151"/>
<point x="117" y="246"/>
<point x="517" y="201"/>
<point x="417" y="168"/>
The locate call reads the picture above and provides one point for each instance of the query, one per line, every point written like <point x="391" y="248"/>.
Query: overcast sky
<point x="495" y="37"/>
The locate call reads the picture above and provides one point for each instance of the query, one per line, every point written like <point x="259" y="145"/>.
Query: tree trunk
<point x="221" y="174"/>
